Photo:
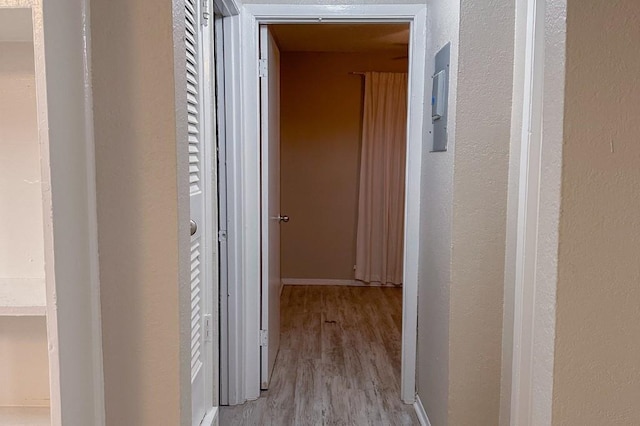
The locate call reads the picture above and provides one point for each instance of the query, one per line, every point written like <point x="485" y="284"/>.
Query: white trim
<point x="211" y="418"/>
<point x="250" y="208"/>
<point x="210" y="196"/>
<point x="94" y="265"/>
<point x="235" y="220"/>
<point x="248" y="184"/>
<point x="23" y="297"/>
<point x="527" y="223"/>
<point x="226" y="40"/>
<point x="329" y="282"/>
<point x="227" y="7"/>
<point x="50" y="282"/>
<point x="420" y="412"/>
<point x="538" y="214"/>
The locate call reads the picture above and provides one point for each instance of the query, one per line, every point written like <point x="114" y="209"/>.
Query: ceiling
<point x="342" y="37"/>
<point x="15" y="25"/>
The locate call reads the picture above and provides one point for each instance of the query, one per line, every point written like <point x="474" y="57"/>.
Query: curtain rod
<point x="357" y="73"/>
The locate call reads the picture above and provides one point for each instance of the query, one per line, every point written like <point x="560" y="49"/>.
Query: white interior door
<point x="270" y="145"/>
<point x="201" y="385"/>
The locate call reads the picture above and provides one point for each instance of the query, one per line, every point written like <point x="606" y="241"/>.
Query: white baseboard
<point x="211" y="419"/>
<point x="323" y="281"/>
<point x="421" y="413"/>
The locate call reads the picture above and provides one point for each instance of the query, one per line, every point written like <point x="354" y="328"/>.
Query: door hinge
<point x="222" y="235"/>
<point x="207" y="328"/>
<point x="205" y="12"/>
<point x="262" y="68"/>
<point x="264" y="337"/>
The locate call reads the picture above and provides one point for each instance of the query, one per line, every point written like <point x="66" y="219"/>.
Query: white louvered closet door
<point x="197" y="189"/>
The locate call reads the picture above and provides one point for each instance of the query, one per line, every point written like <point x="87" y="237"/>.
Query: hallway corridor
<point x="339" y="361"/>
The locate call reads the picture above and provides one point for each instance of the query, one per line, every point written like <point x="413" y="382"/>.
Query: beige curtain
<point x="379" y="248"/>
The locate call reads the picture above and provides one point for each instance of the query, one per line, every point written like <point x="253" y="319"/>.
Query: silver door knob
<point x="193" y="226"/>
<point x="284" y="218"/>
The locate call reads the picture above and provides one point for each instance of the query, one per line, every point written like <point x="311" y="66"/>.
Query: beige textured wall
<point x="435" y="233"/>
<point x="463" y="230"/>
<point x="483" y="127"/>
<point x="141" y="229"/>
<point x="597" y="373"/>
<point x="321" y="124"/>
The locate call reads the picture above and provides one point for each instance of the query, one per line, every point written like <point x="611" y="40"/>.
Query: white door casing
<point x="223" y="248"/>
<point x="540" y="178"/>
<point x="245" y="188"/>
<point x="270" y="148"/>
<point x="227" y="68"/>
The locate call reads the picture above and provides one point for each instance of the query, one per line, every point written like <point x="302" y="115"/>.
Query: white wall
<point x="22" y="242"/>
<point x="597" y="349"/>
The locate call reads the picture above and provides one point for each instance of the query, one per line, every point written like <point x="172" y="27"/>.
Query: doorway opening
<point x="333" y="181"/>
<point x="248" y="258"/>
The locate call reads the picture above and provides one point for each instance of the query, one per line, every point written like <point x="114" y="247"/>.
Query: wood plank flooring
<point x="339" y="361"/>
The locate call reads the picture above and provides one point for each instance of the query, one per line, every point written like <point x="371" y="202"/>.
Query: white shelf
<point x="22" y="297"/>
<point x="25" y="416"/>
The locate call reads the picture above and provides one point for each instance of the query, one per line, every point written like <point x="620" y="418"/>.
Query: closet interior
<point x="24" y="361"/>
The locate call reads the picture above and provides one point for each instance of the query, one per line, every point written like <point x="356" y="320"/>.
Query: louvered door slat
<point x="190" y="38"/>
<point x="194" y="103"/>
<point x="191" y="70"/>
<point x="196" y="301"/>
<point x="193" y="95"/>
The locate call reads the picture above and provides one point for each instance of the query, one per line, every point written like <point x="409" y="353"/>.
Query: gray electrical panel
<point x="440" y="99"/>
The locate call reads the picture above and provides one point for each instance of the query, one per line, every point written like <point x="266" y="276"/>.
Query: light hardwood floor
<point x="339" y="361"/>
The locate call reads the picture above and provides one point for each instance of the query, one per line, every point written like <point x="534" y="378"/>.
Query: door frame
<point x="222" y="111"/>
<point x="245" y="271"/>
<point x="537" y="233"/>
<point x="210" y="189"/>
<point x="229" y="350"/>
